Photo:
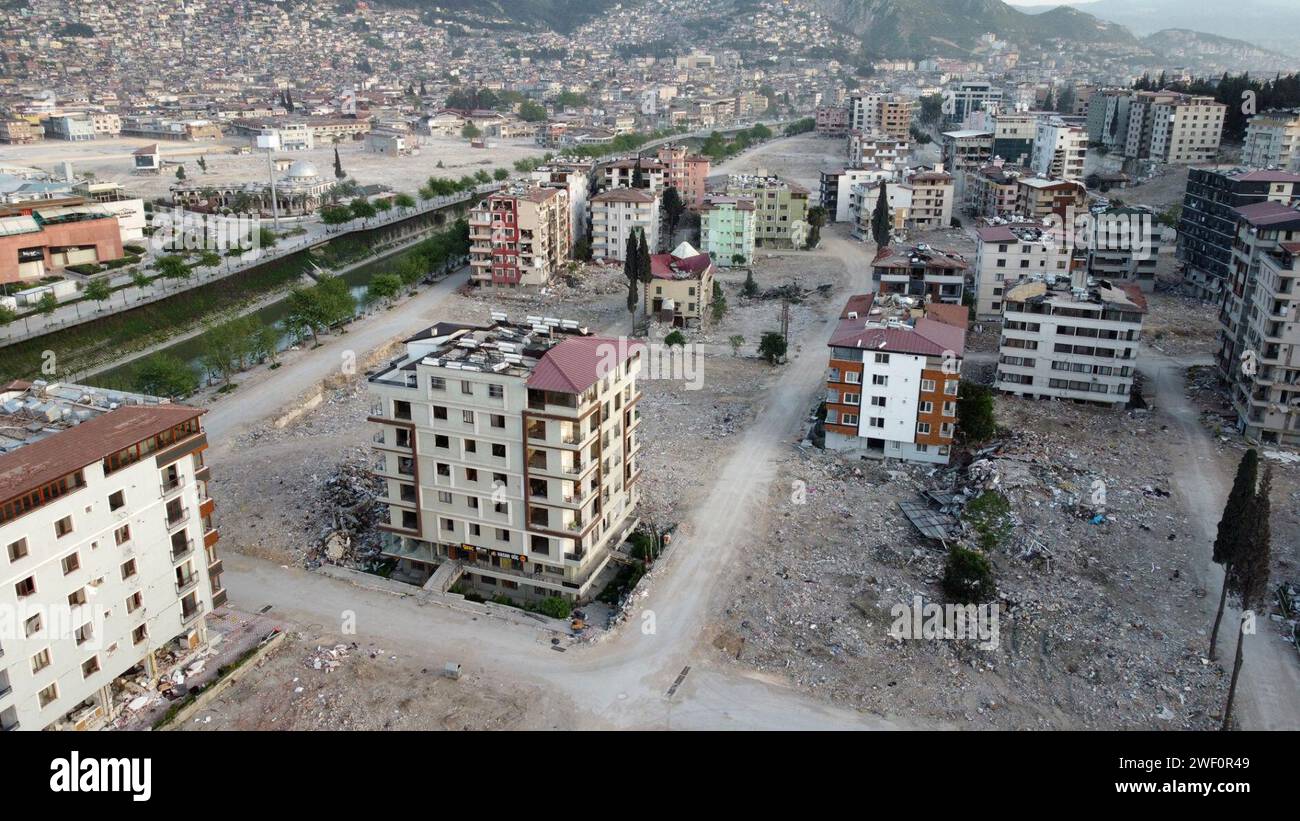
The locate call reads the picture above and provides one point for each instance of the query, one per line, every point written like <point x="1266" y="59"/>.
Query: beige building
<point x="1174" y="128"/>
<point x="519" y="237"/>
<point x="509" y="456"/>
<point x="681" y="286"/>
<point x="618" y="212"/>
<point x="932" y="199"/>
<point x="1273" y="140"/>
<point x="780" y="209"/>
<point x="1011" y="253"/>
<point x="108" y="548"/>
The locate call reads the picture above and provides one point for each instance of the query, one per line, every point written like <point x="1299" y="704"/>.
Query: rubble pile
<point x="1100" y="621"/>
<point x="347" y="517"/>
<point x="1180" y="326"/>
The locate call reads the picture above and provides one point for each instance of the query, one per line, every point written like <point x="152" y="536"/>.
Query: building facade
<point x="727" y="227"/>
<point x="519" y="237"/>
<point x="617" y="213"/>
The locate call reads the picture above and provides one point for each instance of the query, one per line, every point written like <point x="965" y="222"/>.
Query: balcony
<point x="191" y="613"/>
<point x="170" y="486"/>
<point x="186" y="583"/>
<point x="179" y="518"/>
<point x="180" y="551"/>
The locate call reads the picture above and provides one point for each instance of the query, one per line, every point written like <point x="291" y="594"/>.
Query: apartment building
<point x="1059" y="150"/>
<point x="509" y="455"/>
<point x="864" y="199"/>
<point x="519" y="237"/>
<point x="574" y="176"/>
<point x="1071" y="338"/>
<point x="680" y="289"/>
<point x="1257" y="330"/>
<point x="1174" y="128"/>
<point x="837" y="187"/>
<point x="72" y="127"/>
<point x="1108" y="112"/>
<point x="1038" y="198"/>
<point x="20" y="132"/>
<point x="932" y="199"/>
<point x="624" y="173"/>
<point x="921" y="272"/>
<point x="685" y="171"/>
<point x="889" y="115"/>
<point x="831" y="120"/>
<point x="618" y="212"/>
<point x="1013" y="136"/>
<point x="780" y="208"/>
<point x="965" y="97"/>
<point x="1207" y="225"/>
<point x="1266" y="395"/>
<point x="109" y="547"/>
<point x="727" y="226"/>
<point x="964" y="151"/>
<point x="991" y="190"/>
<point x="893" y="378"/>
<point x="1124" y="246"/>
<point x="867" y="149"/>
<point x="1010" y="253"/>
<point x="1273" y="140"/>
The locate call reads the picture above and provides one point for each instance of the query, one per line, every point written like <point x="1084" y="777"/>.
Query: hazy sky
<point x="1046" y="2"/>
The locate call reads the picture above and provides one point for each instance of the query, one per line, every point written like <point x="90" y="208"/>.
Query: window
<point x="950" y="387"/>
<point x="78" y="598"/>
<point x="117" y="500"/>
<point x="32" y="626"/>
<point x="926" y="407"/>
<point x="134" y="602"/>
<point x="49" y="695"/>
<point x="40" y="661"/>
<point x="541" y="544"/>
<point x="90" y="667"/>
<point x="503" y="535"/>
<point x="496" y="391"/>
<point x="922" y="427"/>
<point x="71" y="563"/>
<point x="26" y="587"/>
<point x="879" y="379"/>
<point x="498" y="421"/>
<point x="466" y="387"/>
<point x="443" y="469"/>
<point x="850" y="419"/>
<point x="499" y="479"/>
<point x="437" y="383"/>
<point x="471" y="475"/>
<point x="139" y="634"/>
<point x="499" y="450"/>
<point x="439" y="412"/>
<point x="878" y="401"/>
<point x="84" y="633"/>
<point x="17" y="550"/>
<point x="876" y="421"/>
<point x="473" y="529"/>
<point x="927" y="386"/>
<point x="63" y="527"/>
<point x="122" y="535"/>
<point x="441" y="441"/>
<point x="851" y="377"/>
<point x="444" y="497"/>
<point x="128" y="569"/>
<point x="882" y="359"/>
<point x="467" y="416"/>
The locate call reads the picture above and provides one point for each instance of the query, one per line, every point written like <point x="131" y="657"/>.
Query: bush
<point x="556" y="607"/>
<point x="133" y="250"/>
<point x="975" y="412"/>
<point x="772" y="347"/>
<point x="85" y="269"/>
<point x="675" y="338"/>
<point x="968" y="576"/>
<point x="642" y="545"/>
<point x="990" y="515"/>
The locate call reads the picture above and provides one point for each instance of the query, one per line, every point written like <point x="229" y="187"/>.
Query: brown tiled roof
<point x="70" y="450"/>
<point x="575" y="364"/>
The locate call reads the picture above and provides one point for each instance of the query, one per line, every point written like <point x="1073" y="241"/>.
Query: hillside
<point x="1268" y="23"/>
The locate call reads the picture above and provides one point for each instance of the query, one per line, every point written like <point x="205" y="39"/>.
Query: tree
<point x="180" y="172"/>
<point x="470" y="131"/>
<point x="47" y="304"/>
<point x="675" y="338"/>
<point x="531" y="112"/>
<point x="880" y="218"/>
<point x="501" y="175"/>
<point x="140" y="279"/>
<point x="98" y="291"/>
<point x="404" y="201"/>
<point x="339" y="173"/>
<point x="968" y="576"/>
<point x="1248" y="577"/>
<point x="582" y="250"/>
<point x="361" y="208"/>
<point x="335" y="215"/>
<point x="673" y="209"/>
<point x="1233" y="530"/>
<point x="750" y="288"/>
<point x="173" y="267"/>
<point x="384" y="287"/>
<point x="166" y="376"/>
<point x="266" y="343"/>
<point x="772" y="347"/>
<point x="718" y="302"/>
<point x="738" y="259"/>
<point x="209" y="259"/>
<point x="383" y="205"/>
<point x="203" y="163"/>
<point x="735" y="340"/>
<point x="975" y="412"/>
<point x="816" y="219"/>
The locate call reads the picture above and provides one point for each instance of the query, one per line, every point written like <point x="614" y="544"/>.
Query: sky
<point x="1046" y="2"/>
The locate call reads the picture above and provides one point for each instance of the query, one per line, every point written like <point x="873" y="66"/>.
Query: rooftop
<point x="899" y="324"/>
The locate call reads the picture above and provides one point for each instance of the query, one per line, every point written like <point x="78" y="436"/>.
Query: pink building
<point x="685" y="172"/>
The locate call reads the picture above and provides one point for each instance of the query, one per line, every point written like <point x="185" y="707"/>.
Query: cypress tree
<point x="1233" y="529"/>
<point x="1248" y="578"/>
<point x="880" y="219"/>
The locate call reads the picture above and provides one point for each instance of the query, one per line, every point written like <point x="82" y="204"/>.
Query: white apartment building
<point x="1008" y="254"/>
<point x="622" y="173"/>
<point x="933" y="195"/>
<point x="889" y="115"/>
<point x="109" y="548"/>
<point x="615" y="214"/>
<point x="1273" y="140"/>
<point x="1173" y="128"/>
<point x="1059" y="150"/>
<point x="869" y="148"/>
<point x="1070" y="339"/>
<point x="509" y="456"/>
<point x="846" y="207"/>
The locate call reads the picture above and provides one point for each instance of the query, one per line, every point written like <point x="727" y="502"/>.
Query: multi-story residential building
<point x="519" y="237"/>
<point x="1059" y="150"/>
<point x="1124" y="246"/>
<point x="922" y="273"/>
<point x="932" y="198"/>
<point x="876" y="149"/>
<point x="864" y="199"/>
<point x="963" y="98"/>
<point x="20" y="132"/>
<point x="1108" y="112"/>
<point x="1038" y="198"/>
<point x="72" y="127"/>
<point x="1011" y="253"/>
<point x="109" y="546"/>
<point x="574" y="176"/>
<point x="831" y="120"/>
<point x="105" y="123"/>
<point x="615" y="214"/>
<point x="624" y="173"/>
<point x="964" y="151"/>
<point x="780" y="209"/>
<point x="685" y="172"/>
<point x="1070" y="339"/>
<point x="727" y="226"/>
<point x="837" y="187"/>
<point x="889" y="115"/>
<point x="1207" y="225"/>
<point x="509" y="455"/>
<point x="1265" y="387"/>
<point x="991" y="190"/>
<point x="1174" y="128"/>
<point x="893" y="378"/>
<point x="1256" y="327"/>
<point x="681" y="286"/>
<point x="1273" y="140"/>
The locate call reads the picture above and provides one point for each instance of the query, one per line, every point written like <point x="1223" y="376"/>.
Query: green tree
<point x="501" y="175"/>
<point x="881" y="218"/>
<point x="1248" y="577"/>
<point x="361" y="208"/>
<point x="382" y="205"/>
<point x="718" y="302"/>
<point x="673" y="209"/>
<point x="772" y="347"/>
<point x="209" y="259"/>
<point x="172" y="267"/>
<point x="1234" y="530"/>
<point x="335" y="215"/>
<point x="404" y="201"/>
<point x="750" y="288"/>
<point x="384" y="287"/>
<point x="47" y="304"/>
<point x="470" y="131"/>
<point x="180" y="172"/>
<point x="975" y="412"/>
<point x="98" y="291"/>
<point x="735" y="340"/>
<point x="166" y="376"/>
<point x="265" y="343"/>
<point x="203" y="163"/>
<point x="816" y="219"/>
<point x="531" y="112"/>
<point x="968" y="576"/>
<point x="339" y="173"/>
<point x="675" y="338"/>
<point x="7" y="316"/>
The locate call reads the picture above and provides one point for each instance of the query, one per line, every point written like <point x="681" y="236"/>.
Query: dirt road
<point x="1268" y="695"/>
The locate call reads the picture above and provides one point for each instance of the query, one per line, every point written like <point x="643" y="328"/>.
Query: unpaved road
<point x="1268" y="694"/>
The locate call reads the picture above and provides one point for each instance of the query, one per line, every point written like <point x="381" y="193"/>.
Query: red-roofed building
<point x="681" y="286"/>
<point x="891" y="389"/>
<point x="509" y="456"/>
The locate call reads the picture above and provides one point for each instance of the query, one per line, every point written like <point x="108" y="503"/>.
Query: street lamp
<point x="271" y="141"/>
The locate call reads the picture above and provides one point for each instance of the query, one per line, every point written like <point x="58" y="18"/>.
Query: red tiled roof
<point x="624" y="195"/>
<point x="577" y="363"/>
<point x="663" y="266"/>
<point x="1268" y="213"/>
<point x="956" y="315"/>
<point x="859" y="304"/>
<point x="31" y="466"/>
